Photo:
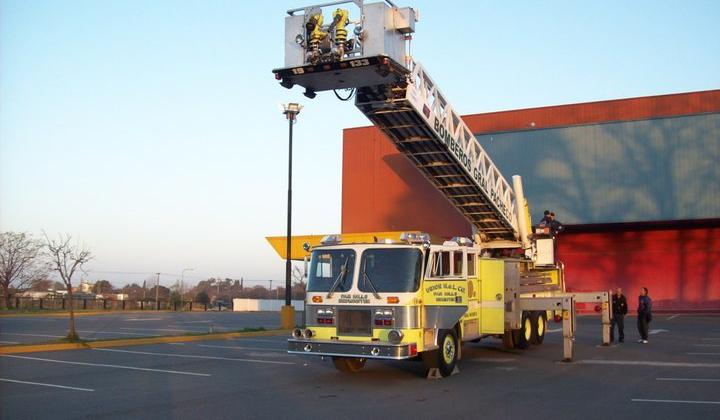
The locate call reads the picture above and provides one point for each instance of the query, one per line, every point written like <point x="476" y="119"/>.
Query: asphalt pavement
<point x="675" y="376"/>
<point x="37" y="329"/>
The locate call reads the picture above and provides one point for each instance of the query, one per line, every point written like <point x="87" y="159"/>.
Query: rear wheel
<point x="539" y="323"/>
<point x="349" y="364"/>
<point x="526" y="332"/>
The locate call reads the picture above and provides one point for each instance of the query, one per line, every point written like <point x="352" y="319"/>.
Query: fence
<point x="19" y="303"/>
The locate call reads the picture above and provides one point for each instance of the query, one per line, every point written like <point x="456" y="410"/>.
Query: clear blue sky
<point x="150" y="130"/>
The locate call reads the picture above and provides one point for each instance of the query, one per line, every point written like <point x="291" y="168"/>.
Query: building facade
<point x="636" y="181"/>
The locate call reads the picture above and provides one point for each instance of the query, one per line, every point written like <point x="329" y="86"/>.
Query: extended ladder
<point x="415" y="115"/>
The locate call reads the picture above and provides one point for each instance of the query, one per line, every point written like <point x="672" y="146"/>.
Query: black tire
<point x="445" y="357"/>
<point x="539" y="323"/>
<point x="525" y="336"/>
<point x="349" y="364"/>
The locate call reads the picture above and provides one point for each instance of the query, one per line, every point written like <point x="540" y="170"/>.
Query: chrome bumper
<point x="367" y="350"/>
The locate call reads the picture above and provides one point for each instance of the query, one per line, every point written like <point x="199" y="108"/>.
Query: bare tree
<point x="21" y="262"/>
<point x="67" y="258"/>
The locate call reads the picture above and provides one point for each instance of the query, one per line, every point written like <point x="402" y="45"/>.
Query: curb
<point x="34" y="348"/>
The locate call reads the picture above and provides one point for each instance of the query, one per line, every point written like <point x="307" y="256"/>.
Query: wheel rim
<point x="448" y="349"/>
<point x="541" y="326"/>
<point x="528" y="329"/>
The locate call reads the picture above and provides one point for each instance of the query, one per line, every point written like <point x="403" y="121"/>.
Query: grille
<point x="354" y="322"/>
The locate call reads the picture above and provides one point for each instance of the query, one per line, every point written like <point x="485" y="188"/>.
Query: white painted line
<point x="105" y="365"/>
<point x="261" y="340"/>
<point x="706" y="345"/>
<point x="50" y="385"/>
<point x="710" y="338"/>
<point x="688" y="379"/>
<point x="8" y="342"/>
<point x="143" y="319"/>
<point x="489" y="360"/>
<point x="194" y="322"/>
<point x="658" y="331"/>
<point x="240" y="348"/>
<point x="702" y="354"/>
<point x="34" y="335"/>
<point x="646" y="363"/>
<point x="554" y="330"/>
<point x="675" y="401"/>
<point x="673" y="317"/>
<point x="109" y="332"/>
<point x="193" y="356"/>
<point x="161" y="329"/>
<point x="176" y="344"/>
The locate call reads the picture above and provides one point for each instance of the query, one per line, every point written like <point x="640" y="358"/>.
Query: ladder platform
<point x="344" y="74"/>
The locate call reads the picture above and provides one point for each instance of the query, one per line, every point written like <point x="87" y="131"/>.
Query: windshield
<point x="390" y="270"/>
<point x="326" y="267"/>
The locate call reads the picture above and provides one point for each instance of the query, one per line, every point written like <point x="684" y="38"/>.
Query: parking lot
<point x="676" y="375"/>
<point x="35" y="329"/>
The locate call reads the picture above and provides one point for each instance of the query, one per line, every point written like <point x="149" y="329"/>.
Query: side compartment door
<point x="492" y="280"/>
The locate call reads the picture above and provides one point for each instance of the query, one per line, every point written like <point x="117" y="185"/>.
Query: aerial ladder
<point x="400" y="98"/>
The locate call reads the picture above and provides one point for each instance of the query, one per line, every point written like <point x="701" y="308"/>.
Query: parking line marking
<point x="706" y="345"/>
<point x="8" y="342"/>
<point x="673" y="317"/>
<point x="240" y="348"/>
<point x="160" y="329"/>
<point x="703" y="354"/>
<point x="109" y="332"/>
<point x="194" y="322"/>
<point x="710" y="338"/>
<point x="194" y="356"/>
<point x="144" y="319"/>
<point x="675" y="401"/>
<point x="688" y="379"/>
<point x="105" y="365"/>
<point x="50" y="385"/>
<point x="646" y="363"/>
<point x="489" y="360"/>
<point x="554" y="330"/>
<point x="260" y="340"/>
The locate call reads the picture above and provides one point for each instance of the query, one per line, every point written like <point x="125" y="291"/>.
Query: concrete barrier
<point x="255" y="305"/>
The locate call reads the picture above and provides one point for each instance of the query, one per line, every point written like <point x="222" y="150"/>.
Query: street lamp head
<point x="291" y="110"/>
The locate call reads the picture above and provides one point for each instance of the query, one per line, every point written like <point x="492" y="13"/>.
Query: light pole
<point x="182" y="285"/>
<point x="287" y="313"/>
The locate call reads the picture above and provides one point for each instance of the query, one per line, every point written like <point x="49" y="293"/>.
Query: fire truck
<point x="410" y="295"/>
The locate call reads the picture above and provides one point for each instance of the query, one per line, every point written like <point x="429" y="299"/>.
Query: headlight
<point x="387" y="312"/>
<point x="395" y="336"/>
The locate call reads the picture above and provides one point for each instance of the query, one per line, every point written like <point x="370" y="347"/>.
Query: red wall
<point x="680" y="267"/>
<point x="383" y="191"/>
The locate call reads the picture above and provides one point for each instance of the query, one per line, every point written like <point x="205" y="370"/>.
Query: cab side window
<point x="441" y="264"/>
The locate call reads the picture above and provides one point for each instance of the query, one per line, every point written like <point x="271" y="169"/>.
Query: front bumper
<point x="367" y="349"/>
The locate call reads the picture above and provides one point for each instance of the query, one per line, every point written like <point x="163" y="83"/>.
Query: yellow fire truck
<point x="405" y="295"/>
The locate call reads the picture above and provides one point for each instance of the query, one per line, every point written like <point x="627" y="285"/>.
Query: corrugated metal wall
<point x="660" y="169"/>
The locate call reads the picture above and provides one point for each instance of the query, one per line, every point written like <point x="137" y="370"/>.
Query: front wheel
<point x="445" y="357"/>
<point x="349" y="364"/>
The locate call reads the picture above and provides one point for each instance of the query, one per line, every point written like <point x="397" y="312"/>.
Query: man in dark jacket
<point x="644" y="314"/>
<point x="619" y="310"/>
<point x="555" y="225"/>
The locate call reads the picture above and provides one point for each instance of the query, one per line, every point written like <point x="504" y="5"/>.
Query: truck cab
<point x="389" y="300"/>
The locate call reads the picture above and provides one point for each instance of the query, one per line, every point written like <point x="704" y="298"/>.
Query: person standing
<point x="555" y="225"/>
<point x="619" y="309"/>
<point x="644" y="314"/>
